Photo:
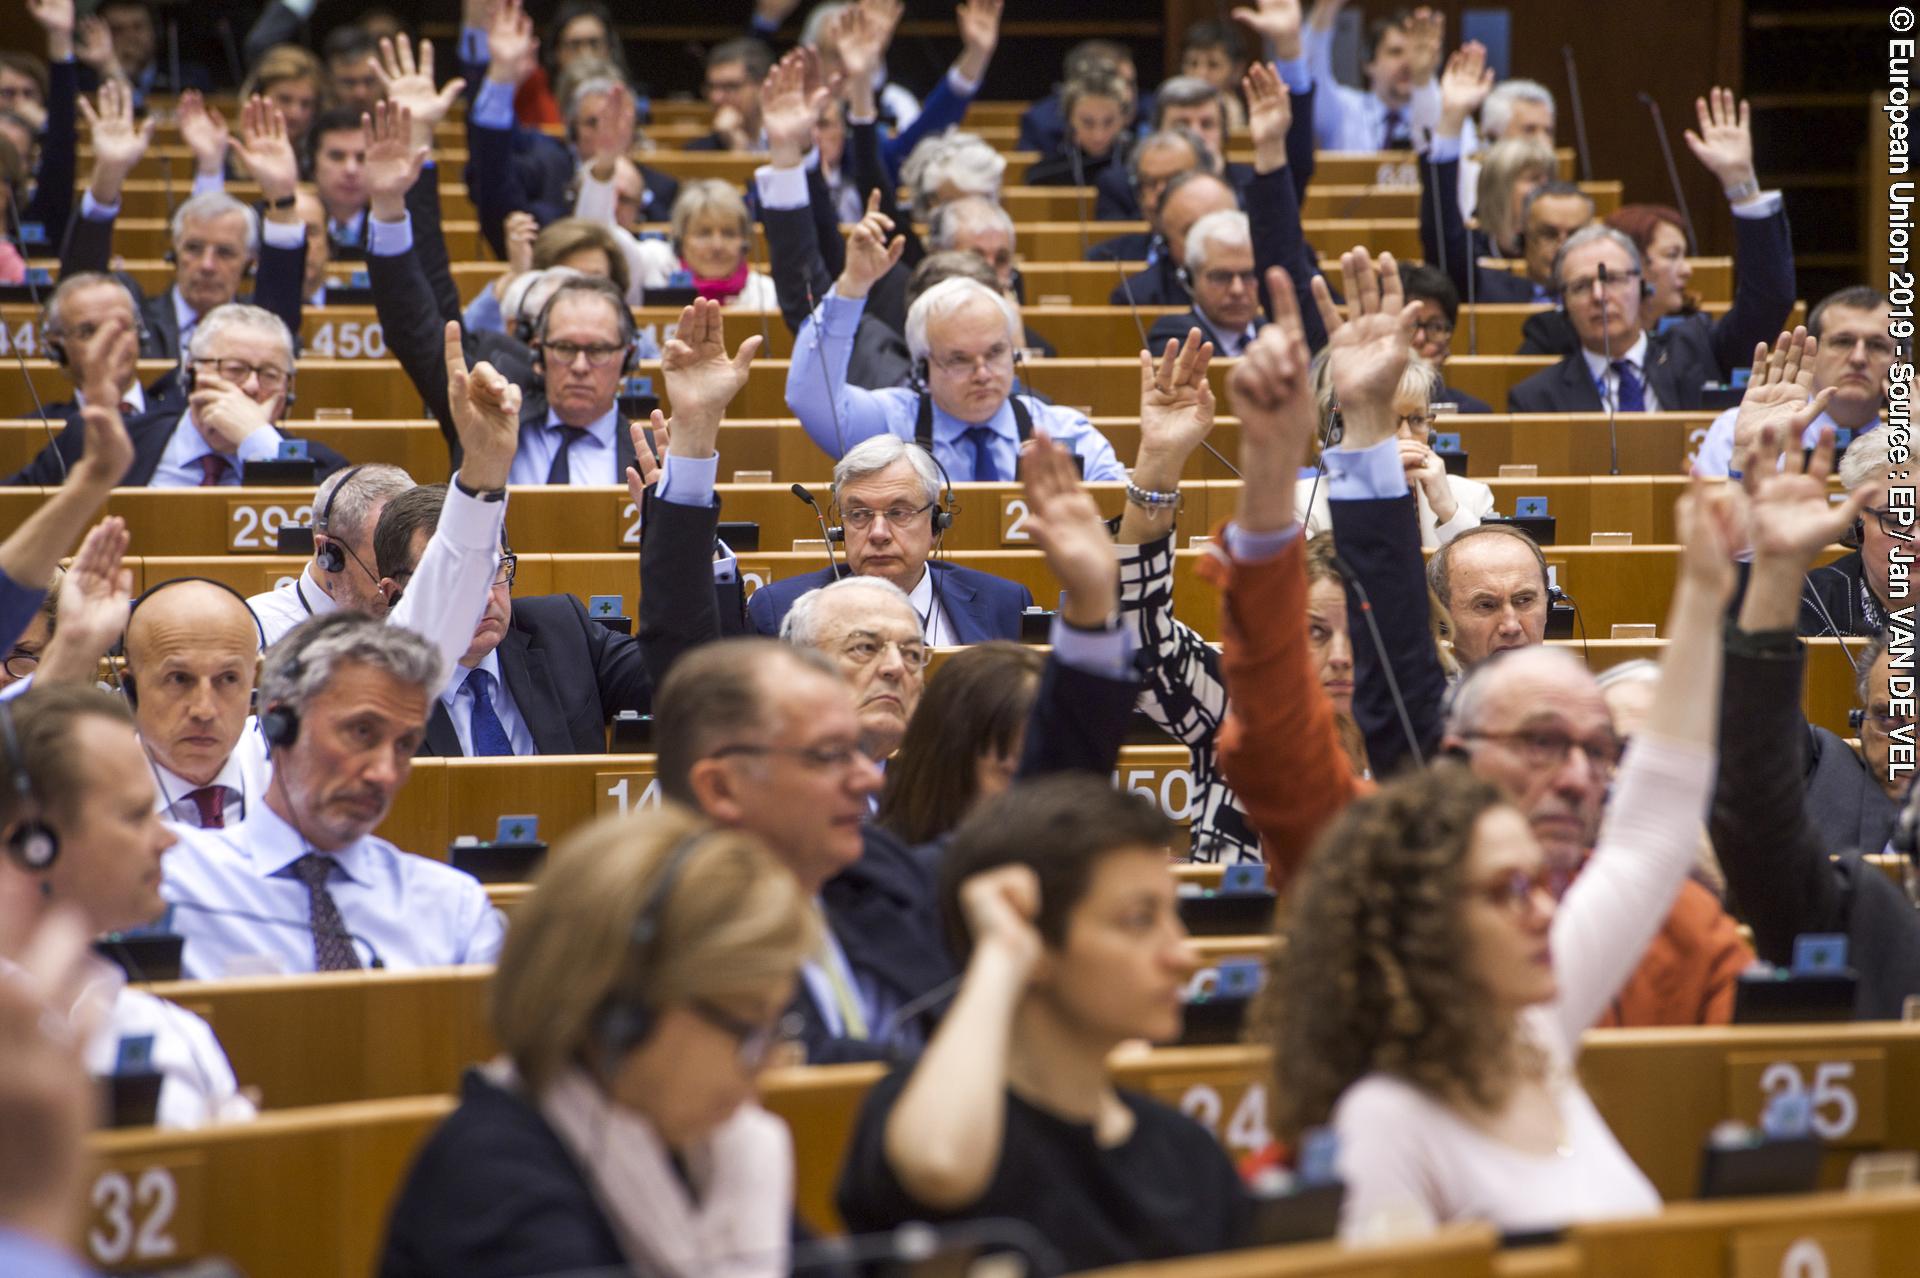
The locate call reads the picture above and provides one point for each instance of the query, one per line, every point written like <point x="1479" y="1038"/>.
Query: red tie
<point x="212" y="802"/>
<point x="126" y="408"/>
<point x="213" y="468"/>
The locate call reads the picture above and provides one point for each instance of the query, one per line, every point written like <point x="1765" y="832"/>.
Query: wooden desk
<point x="1462" y="1251"/>
<point x="1817" y="1236"/>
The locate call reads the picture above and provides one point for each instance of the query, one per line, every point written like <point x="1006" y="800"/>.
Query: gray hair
<point x="1866" y="460"/>
<point x="1468" y="708"/>
<point x="1229" y="228"/>
<point x="1639" y="670"/>
<point x="519" y="301"/>
<point x="1167" y="139"/>
<point x="944" y="299"/>
<point x="345" y="498"/>
<point x="73" y="282"/>
<point x="871" y="456"/>
<point x="238" y="315"/>
<point x="702" y="196"/>
<point x="212" y="204"/>
<point x="964" y="159"/>
<point x="956" y="217"/>
<point x="1183" y="91"/>
<point x="606" y="79"/>
<point x="302" y="665"/>
<point x="1497" y="111"/>
<point x="801" y="626"/>
<point x="1594" y="234"/>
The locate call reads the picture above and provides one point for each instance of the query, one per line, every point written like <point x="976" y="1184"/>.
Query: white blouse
<point x="1473" y="499"/>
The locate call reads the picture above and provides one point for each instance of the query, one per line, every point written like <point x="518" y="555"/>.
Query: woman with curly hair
<point x="1431" y="995"/>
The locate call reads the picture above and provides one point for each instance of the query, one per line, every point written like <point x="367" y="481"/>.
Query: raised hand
<point x="771" y="13"/>
<point x="1779" y="397"/>
<point x="1176" y="407"/>
<point x="1067" y="527"/>
<point x="521" y="231"/>
<point x="1427" y="34"/>
<point x="1368" y="351"/>
<point x="93" y="48"/>
<point x="1790" y="518"/>
<point x="857" y="41"/>
<point x="646" y="470"/>
<point x="1711" y="519"/>
<point x="1273" y="399"/>
<point x="409" y="84"/>
<point x="118" y="143"/>
<point x="109" y="348"/>
<point x="266" y="150"/>
<point x="95" y="594"/>
<point x="979" y="35"/>
<point x="869" y="252"/>
<point x="56" y="19"/>
<point x="701" y="379"/>
<point x="511" y="44"/>
<point x="204" y="130"/>
<point x="886" y="15"/>
<point x="1725" y="141"/>
<point x="1269" y="116"/>
<point x="612" y="139"/>
<point x="1002" y="908"/>
<point x="394" y="159"/>
<point x="486" y="416"/>
<point x="1277" y="22"/>
<point x="789" y="107"/>
<point x="1465" y="85"/>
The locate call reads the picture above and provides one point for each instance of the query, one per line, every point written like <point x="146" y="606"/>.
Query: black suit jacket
<point x="1158" y="285"/>
<point x="1679" y="363"/>
<point x="1134" y="246"/>
<point x="801" y="277"/>
<point x="150" y="433"/>
<point x="277" y="280"/>
<point x="568" y="675"/>
<point x="52" y="202"/>
<point x="1380" y="549"/>
<point x="1273" y="213"/>
<point x="1831" y="601"/>
<point x="1767" y="822"/>
<point x="1446" y="243"/>
<point x="1174" y="328"/>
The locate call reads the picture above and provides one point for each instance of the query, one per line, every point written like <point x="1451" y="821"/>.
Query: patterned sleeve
<point x="1183" y="694"/>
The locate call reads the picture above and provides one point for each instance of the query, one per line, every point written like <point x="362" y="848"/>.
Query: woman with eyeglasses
<point x="1449" y="504"/>
<point x="1430" y="997"/>
<point x="637" y="999"/>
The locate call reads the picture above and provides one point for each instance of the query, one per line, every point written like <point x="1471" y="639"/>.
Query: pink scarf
<point x="13" y="267"/>
<point x="722" y="289"/>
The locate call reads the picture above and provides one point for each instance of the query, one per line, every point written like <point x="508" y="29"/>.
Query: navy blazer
<point x="1449" y="246"/>
<point x="150" y="432"/>
<point x="567" y="674"/>
<point x="980" y="605"/>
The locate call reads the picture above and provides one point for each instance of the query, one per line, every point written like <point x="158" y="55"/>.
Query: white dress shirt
<point x="197" y="1086"/>
<point x="410" y="910"/>
<point x="179" y="465"/>
<point x="1601" y="373"/>
<point x="932" y="611"/>
<point x="592" y="461"/>
<point x="290" y="603"/>
<point x="135" y="399"/>
<point x="460" y="707"/>
<point x="244" y="775"/>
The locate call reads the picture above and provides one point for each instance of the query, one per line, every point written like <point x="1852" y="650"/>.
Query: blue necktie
<point x="1394" y="131"/>
<point x="561" y="472"/>
<point x="1633" y="392"/>
<point x="981" y="437"/>
<point x="489" y="734"/>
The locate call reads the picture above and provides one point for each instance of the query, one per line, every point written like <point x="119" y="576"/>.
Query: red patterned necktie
<point x="212" y="802"/>
<point x="213" y="468"/>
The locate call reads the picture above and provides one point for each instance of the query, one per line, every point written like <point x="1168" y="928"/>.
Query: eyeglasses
<point x="864" y="650"/>
<point x="20" y="663"/>
<point x="1617" y="282"/>
<point x="756" y="1041"/>
<point x="1433" y="328"/>
<point x="1883" y="722"/>
<point x="272" y="376"/>
<point x="1418" y="423"/>
<point x="862" y="517"/>
<point x="820" y="758"/>
<point x="598" y="355"/>
<point x="958" y="365"/>
<point x="1878" y="347"/>
<point x="1546" y="748"/>
<point x="1223" y="278"/>
<point x="1889" y="521"/>
<point x="1517" y="891"/>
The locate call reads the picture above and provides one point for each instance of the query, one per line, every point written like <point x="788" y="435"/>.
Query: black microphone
<point x="1579" y="116"/>
<point x="1386" y="663"/>
<point x="1613" y="400"/>
<point x="1673" y="173"/>
<point x="826" y="534"/>
<point x="1080" y="195"/>
<point x="374" y="961"/>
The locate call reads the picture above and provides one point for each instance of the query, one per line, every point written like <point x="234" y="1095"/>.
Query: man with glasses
<point x="341" y="573"/>
<point x="1226" y="289"/>
<point x="240" y="378"/>
<point x="734" y="72"/>
<point x="889" y="496"/>
<point x="1851" y="595"/>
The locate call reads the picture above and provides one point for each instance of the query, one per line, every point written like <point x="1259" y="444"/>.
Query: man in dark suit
<point x="734" y="72"/>
<point x="892" y="504"/>
<point x="1601" y="279"/>
<point x="1187" y="198"/>
<point x="240" y="378"/>
<point x="74" y="312"/>
<point x="541" y="677"/>
<point x="1225" y="285"/>
<point x="215" y="238"/>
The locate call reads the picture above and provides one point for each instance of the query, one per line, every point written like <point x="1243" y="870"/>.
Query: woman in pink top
<point x="1431" y="996"/>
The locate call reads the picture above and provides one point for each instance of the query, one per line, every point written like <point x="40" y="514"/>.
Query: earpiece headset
<point x="332" y="557"/>
<point x="943" y="510"/>
<point x="629" y="331"/>
<point x="624" y="1022"/>
<point x="31" y="841"/>
<point x="128" y="686"/>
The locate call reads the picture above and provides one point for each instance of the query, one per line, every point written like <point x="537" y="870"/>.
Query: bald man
<point x="192" y="649"/>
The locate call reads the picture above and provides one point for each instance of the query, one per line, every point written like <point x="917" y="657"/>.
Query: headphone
<point x="128" y="687"/>
<point x="32" y="842"/>
<point x="624" y="1023"/>
<point x="332" y="557"/>
<point x="944" y="509"/>
<point x="598" y="287"/>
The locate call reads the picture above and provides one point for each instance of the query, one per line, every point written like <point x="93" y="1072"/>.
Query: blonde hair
<point x="1417" y="383"/>
<point x="733" y="925"/>
<point x="709" y="195"/>
<point x="1504" y="164"/>
<point x="281" y="63"/>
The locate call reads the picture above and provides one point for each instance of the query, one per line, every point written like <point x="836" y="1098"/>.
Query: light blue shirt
<point x="1346" y="119"/>
<point x="838" y="415"/>
<point x="414" y="911"/>
<point x="483" y="314"/>
<point x="492" y="106"/>
<point x="592" y="461"/>
<point x="1715" y="457"/>
<point x="184" y="317"/>
<point x="25" y="1256"/>
<point x="460" y="707"/>
<point x="179" y="466"/>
